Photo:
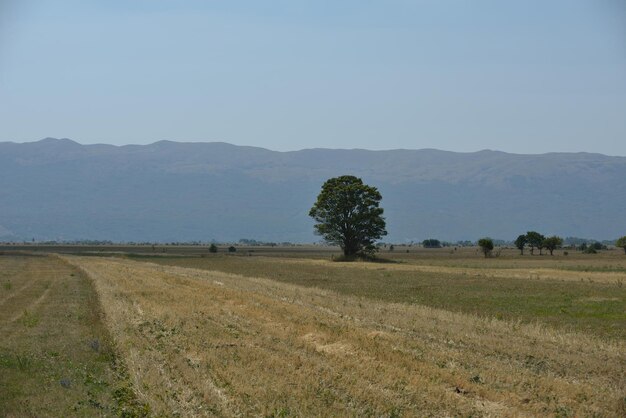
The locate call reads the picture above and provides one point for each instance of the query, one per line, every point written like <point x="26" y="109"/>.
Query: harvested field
<point x="569" y="300"/>
<point x="209" y="343"/>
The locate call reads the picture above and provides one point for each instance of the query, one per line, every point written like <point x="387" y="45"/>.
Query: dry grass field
<point x="276" y="335"/>
<point x="575" y="293"/>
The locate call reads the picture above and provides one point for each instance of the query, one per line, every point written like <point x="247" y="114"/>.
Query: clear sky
<point x="527" y="76"/>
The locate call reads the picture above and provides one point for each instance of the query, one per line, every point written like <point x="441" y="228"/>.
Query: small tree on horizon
<point x="213" y="248"/>
<point x="520" y="242"/>
<point x="552" y="243"/>
<point x="486" y="246"/>
<point x="621" y="242"/>
<point x="534" y="240"/>
<point x="431" y="243"/>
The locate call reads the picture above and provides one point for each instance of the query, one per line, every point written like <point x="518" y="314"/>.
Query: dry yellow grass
<point x="203" y="343"/>
<point x="591" y="307"/>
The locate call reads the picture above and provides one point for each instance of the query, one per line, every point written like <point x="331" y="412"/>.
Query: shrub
<point x="598" y="246"/>
<point x="213" y="248"/>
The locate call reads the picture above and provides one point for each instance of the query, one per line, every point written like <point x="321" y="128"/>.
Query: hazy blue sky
<point x="518" y="76"/>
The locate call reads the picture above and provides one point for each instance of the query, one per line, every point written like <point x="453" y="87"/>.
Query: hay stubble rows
<point x="210" y="343"/>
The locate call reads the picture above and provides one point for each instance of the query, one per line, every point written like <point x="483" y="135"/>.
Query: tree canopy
<point x="486" y="245"/>
<point x="431" y="243"/>
<point x="520" y="242"/>
<point x="534" y="240"/>
<point x="348" y="214"/>
<point x="552" y="243"/>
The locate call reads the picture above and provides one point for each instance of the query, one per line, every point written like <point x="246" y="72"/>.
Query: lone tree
<point x="535" y="240"/>
<point x="486" y="246"/>
<point x="552" y="243"/>
<point x="520" y="242"/>
<point x="621" y="242"/>
<point x="347" y="213"/>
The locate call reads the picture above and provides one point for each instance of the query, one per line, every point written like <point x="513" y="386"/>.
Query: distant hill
<point x="169" y="191"/>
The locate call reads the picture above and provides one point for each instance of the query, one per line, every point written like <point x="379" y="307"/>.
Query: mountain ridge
<point x="53" y="140"/>
<point x="173" y="191"/>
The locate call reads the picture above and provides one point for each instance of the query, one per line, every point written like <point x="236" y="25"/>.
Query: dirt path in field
<point x="515" y="273"/>
<point x="204" y="343"/>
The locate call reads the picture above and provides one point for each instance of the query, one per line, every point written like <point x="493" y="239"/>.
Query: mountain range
<point x="58" y="189"/>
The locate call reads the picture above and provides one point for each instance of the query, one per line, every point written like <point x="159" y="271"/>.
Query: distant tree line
<point x="535" y="240"/>
<point x="255" y="243"/>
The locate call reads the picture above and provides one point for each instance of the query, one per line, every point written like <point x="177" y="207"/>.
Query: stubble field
<point x="295" y="334"/>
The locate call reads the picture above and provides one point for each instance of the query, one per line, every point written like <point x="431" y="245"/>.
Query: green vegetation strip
<point x="56" y="358"/>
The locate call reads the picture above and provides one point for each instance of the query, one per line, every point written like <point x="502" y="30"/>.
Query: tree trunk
<point x="350" y="248"/>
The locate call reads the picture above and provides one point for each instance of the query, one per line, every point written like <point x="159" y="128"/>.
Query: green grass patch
<point x="29" y="319"/>
<point x="57" y="359"/>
